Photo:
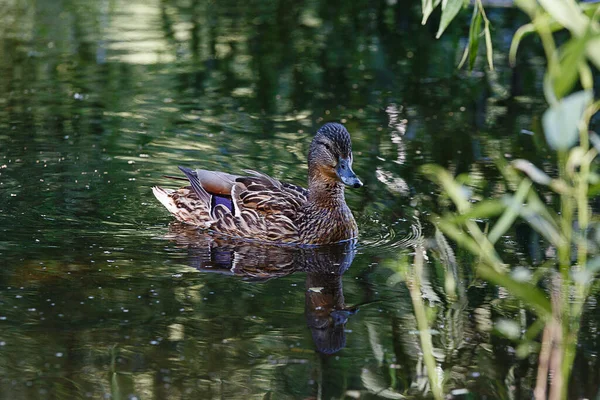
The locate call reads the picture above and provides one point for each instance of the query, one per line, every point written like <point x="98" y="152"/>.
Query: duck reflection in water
<point x="325" y="310"/>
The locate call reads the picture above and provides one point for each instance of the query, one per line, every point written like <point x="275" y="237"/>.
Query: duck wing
<point x="268" y="195"/>
<point x="264" y="209"/>
<point x="255" y="206"/>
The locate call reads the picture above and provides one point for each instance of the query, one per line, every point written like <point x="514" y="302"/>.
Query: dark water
<point x="101" y="296"/>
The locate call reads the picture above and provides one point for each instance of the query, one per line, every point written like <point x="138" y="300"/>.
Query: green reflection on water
<point x="99" y="100"/>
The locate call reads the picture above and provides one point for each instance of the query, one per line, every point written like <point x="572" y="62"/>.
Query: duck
<point x="258" y="207"/>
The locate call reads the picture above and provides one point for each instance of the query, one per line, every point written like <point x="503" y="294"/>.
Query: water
<point x="103" y="296"/>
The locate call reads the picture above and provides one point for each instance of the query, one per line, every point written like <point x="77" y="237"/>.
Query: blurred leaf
<point x="488" y="45"/>
<point x="508" y="328"/>
<point x="577" y="156"/>
<point x="526" y="348"/>
<point x="535" y="204"/>
<point x="516" y="41"/>
<point x="473" y="45"/>
<point x="547" y="86"/>
<point x="443" y="178"/>
<point x="566" y="12"/>
<point x="561" y="120"/>
<point x="511" y="213"/>
<point x="572" y="55"/>
<point x="585" y="75"/>
<point x="458" y="235"/>
<point x="542" y="225"/>
<point x="571" y="16"/>
<point x="481" y="210"/>
<point x="428" y="6"/>
<point x="531" y="296"/>
<point x="395" y="279"/>
<point x="474" y="37"/>
<point x="593" y="265"/>
<point x="534" y="329"/>
<point x="521" y="274"/>
<point x="586" y="275"/>
<point x="544" y="19"/>
<point x="450" y="9"/>
<point x="377" y="386"/>
<point x="528" y="6"/>
<point x="533" y="172"/>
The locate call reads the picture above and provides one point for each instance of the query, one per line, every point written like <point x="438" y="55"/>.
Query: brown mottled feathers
<point x="258" y="207"/>
<point x="263" y="208"/>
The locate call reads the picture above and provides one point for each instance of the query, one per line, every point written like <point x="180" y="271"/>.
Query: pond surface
<point x="102" y="295"/>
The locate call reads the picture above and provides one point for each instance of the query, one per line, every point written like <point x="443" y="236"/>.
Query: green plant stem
<point x="414" y="286"/>
<point x="551" y="56"/>
<point x="583" y="219"/>
<point x="566" y="222"/>
<point x="564" y="264"/>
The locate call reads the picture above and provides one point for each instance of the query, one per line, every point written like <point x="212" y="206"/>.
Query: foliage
<point x="557" y="291"/>
<point x="450" y="9"/>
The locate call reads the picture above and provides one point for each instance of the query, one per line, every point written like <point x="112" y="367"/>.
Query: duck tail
<point x="196" y="185"/>
<point x="164" y="196"/>
<point x="184" y="207"/>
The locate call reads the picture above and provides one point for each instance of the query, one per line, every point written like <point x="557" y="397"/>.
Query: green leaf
<point x="450" y="9"/>
<point x="562" y="119"/>
<point x="485" y="209"/>
<point x="567" y="13"/>
<point x="536" y="206"/>
<point x="428" y="6"/>
<point x="488" y="46"/>
<point x="585" y="75"/>
<point x="572" y="55"/>
<point x="532" y="297"/>
<point x="542" y="225"/>
<point x="528" y="6"/>
<point x="443" y="178"/>
<point x="572" y="16"/>
<point x="511" y="213"/>
<point x="474" y="38"/>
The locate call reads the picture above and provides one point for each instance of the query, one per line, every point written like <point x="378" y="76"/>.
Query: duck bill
<point x="344" y="171"/>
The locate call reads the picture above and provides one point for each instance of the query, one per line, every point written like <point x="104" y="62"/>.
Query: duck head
<point x="330" y="156"/>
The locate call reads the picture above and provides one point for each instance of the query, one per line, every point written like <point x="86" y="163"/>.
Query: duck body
<point x="260" y="208"/>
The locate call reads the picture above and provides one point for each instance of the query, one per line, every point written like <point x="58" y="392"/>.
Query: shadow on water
<point x="325" y="309"/>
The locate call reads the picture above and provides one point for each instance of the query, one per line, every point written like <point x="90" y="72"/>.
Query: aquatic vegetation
<point x="557" y="203"/>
